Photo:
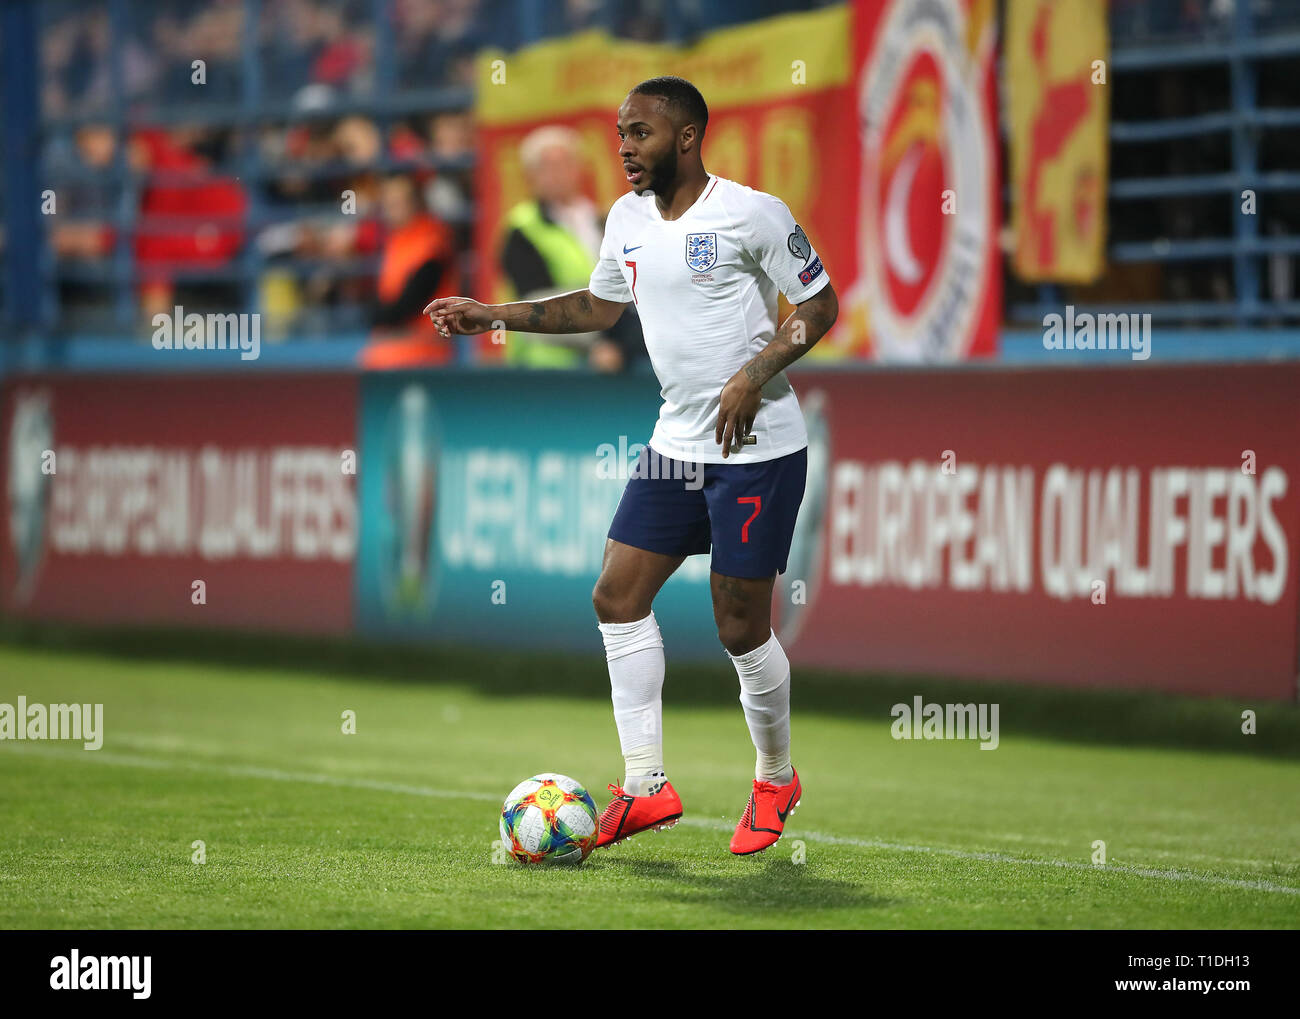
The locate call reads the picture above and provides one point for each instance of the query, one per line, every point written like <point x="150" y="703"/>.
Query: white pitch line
<point x="995" y="857"/>
<point x="319" y="778"/>
<point x="253" y="771"/>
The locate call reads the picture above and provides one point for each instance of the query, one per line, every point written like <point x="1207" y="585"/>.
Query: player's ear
<point x="689" y="137"/>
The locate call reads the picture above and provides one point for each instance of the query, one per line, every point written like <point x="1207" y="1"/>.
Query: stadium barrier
<point x="193" y="501"/>
<point x="1084" y="527"/>
<point x="518" y="476"/>
<point x="1131" y="527"/>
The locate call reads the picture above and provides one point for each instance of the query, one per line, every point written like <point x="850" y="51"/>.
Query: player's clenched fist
<point x="459" y="315"/>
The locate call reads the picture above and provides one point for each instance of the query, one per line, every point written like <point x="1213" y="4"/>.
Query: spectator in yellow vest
<point x="552" y="243"/>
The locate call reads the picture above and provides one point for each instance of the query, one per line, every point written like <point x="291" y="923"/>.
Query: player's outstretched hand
<point x="459" y="315"/>
<point x="737" y="408"/>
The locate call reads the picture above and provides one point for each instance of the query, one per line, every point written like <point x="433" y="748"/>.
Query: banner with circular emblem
<point x="927" y="285"/>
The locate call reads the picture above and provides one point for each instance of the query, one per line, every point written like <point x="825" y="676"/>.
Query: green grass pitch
<point x="240" y="745"/>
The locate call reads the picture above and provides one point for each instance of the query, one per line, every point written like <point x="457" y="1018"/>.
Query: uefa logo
<point x="407" y="539"/>
<point x="31" y="434"/>
<point x="793" y="606"/>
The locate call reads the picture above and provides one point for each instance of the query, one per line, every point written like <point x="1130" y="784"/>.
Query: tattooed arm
<point x="579" y="311"/>
<point x="741" y="396"/>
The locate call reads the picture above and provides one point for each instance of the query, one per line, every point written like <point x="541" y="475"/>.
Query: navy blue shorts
<point x="744" y="512"/>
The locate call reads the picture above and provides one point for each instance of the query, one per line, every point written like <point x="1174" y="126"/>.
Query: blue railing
<point x="1185" y="41"/>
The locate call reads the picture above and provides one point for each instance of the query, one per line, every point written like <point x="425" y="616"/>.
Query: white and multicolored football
<point x="548" y="818"/>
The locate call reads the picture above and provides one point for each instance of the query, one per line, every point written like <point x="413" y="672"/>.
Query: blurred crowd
<point x="316" y="214"/>
<point x="329" y="214"/>
<point x="356" y="217"/>
<point x="1136" y="20"/>
<point x="308" y="52"/>
<point x="316" y="189"/>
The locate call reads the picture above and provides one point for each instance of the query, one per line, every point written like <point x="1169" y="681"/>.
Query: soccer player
<point x="702" y="258"/>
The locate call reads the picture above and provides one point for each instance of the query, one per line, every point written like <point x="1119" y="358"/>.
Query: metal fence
<point x="1205" y="103"/>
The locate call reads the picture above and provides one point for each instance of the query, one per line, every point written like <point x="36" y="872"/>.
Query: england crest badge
<point x="701" y="251"/>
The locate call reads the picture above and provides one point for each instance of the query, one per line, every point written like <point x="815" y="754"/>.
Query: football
<point x="548" y="818"/>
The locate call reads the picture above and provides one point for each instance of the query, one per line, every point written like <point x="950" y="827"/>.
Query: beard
<point x="664" y="171"/>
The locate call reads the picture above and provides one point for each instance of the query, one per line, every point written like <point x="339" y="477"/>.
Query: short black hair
<point x="684" y="102"/>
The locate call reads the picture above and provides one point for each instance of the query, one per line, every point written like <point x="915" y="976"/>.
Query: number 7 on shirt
<point x="633" y="265"/>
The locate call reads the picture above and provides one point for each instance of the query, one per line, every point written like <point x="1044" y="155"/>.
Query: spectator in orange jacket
<point x="418" y="264"/>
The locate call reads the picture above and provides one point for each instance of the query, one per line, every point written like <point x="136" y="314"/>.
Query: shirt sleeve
<point x="783" y="250"/>
<point x="607" y="281"/>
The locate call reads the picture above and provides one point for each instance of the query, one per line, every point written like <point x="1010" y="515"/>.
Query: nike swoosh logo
<point x="628" y="251"/>
<point x="783" y="814"/>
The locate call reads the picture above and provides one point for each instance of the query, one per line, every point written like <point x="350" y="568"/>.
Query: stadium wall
<point x="1084" y="527"/>
<point x="193" y="501"/>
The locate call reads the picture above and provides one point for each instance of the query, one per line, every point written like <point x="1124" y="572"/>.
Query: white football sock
<point x="635" y="654"/>
<point x="765" y="695"/>
<point x="643" y="785"/>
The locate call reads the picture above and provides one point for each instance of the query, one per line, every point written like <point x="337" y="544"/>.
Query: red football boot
<point x="765" y="813"/>
<point x="629" y="815"/>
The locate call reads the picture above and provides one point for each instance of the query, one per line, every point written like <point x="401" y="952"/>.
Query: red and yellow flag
<point x="780" y="118"/>
<point x="1057" y="52"/>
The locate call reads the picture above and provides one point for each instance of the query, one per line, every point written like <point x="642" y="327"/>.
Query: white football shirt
<point x="705" y="287"/>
